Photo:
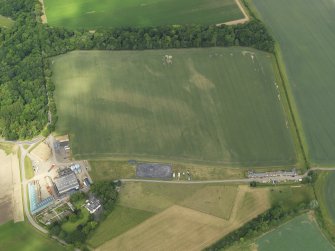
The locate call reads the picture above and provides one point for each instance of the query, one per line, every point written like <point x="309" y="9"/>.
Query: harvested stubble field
<point x="175" y="222"/>
<point x="105" y="13"/>
<point x="306" y="35"/>
<point x="214" y="106"/>
<point x="6" y="191"/>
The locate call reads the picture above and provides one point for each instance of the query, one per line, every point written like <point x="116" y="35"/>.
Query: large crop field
<point x="302" y="233"/>
<point x="306" y="35"/>
<point x="216" y="106"/>
<point x="105" y="13"/>
<point x="22" y="236"/>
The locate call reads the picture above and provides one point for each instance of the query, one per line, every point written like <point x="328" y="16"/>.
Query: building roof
<point x="36" y="205"/>
<point x="67" y="183"/>
<point x="93" y="205"/>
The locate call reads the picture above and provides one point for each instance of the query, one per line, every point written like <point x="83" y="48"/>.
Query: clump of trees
<point x="106" y="192"/>
<point x="251" y="34"/>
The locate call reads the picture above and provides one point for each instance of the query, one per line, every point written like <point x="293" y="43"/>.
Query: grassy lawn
<point x="6" y="22"/>
<point x="104" y="13"/>
<point x="71" y="226"/>
<point x="216" y="200"/>
<point x="111" y="170"/>
<point x="22" y="236"/>
<point x="309" y="61"/>
<point x="302" y="233"/>
<point x="291" y="196"/>
<point x="184" y="112"/>
<point x="119" y="221"/>
<point x="28" y="168"/>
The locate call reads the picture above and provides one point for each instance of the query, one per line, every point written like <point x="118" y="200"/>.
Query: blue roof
<point x="35" y="205"/>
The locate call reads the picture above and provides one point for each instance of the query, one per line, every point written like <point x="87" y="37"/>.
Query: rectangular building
<point x="66" y="183"/>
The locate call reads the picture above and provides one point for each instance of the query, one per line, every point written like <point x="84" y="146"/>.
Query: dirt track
<point x="238" y="21"/>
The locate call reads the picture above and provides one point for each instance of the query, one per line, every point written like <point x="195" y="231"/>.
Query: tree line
<point x="26" y="88"/>
<point x="274" y="217"/>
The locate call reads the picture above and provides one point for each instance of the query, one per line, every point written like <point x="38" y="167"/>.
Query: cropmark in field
<point x="305" y="32"/>
<point x="106" y="13"/>
<point x="215" y="106"/>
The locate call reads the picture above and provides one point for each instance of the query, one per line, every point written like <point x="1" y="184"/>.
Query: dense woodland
<point x="26" y="89"/>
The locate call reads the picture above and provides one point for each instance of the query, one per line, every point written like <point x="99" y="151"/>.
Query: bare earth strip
<point x="239" y="21"/>
<point x="180" y="228"/>
<point x="17" y="191"/>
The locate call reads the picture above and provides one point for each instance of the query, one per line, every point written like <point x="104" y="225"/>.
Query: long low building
<point x="66" y="183"/>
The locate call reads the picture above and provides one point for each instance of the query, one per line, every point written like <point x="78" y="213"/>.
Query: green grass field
<point x="113" y="170"/>
<point x="305" y="34"/>
<point x="214" y="106"/>
<point x="328" y="191"/>
<point x="300" y="234"/>
<point x="324" y="189"/>
<point x="119" y="221"/>
<point x="291" y="196"/>
<point x="105" y="13"/>
<point x="28" y="168"/>
<point x="6" y="22"/>
<point x="22" y="236"/>
<point x="216" y="200"/>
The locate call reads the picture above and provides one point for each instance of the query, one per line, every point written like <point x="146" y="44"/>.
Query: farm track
<point x="239" y="21"/>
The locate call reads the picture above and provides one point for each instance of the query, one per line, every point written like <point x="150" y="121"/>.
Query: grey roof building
<point x="66" y="183"/>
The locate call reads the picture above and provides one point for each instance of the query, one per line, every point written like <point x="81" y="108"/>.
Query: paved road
<point x="27" y="142"/>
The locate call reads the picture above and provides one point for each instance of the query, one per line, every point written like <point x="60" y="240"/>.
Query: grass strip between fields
<point x="28" y="168"/>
